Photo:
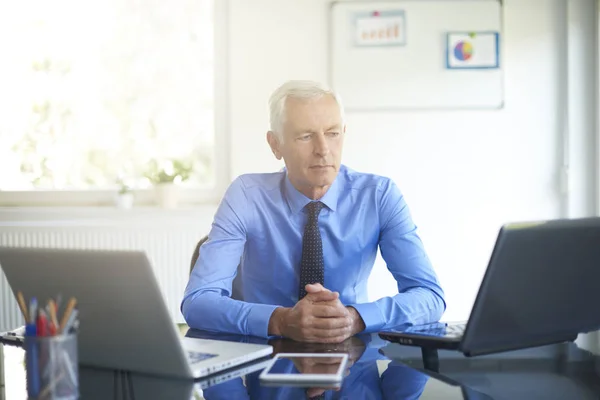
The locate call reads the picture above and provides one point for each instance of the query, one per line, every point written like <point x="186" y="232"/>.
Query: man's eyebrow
<point x="303" y="131"/>
<point x="332" y="127"/>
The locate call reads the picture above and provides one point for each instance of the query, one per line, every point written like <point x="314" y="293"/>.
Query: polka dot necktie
<point x="312" y="266"/>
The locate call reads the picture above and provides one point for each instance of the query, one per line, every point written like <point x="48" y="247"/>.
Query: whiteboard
<point x="412" y="69"/>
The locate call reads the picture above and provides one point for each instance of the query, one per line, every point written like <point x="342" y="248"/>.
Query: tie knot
<point x="314" y="208"/>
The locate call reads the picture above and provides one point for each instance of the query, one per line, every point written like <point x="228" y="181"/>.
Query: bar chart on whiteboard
<point x="380" y="28"/>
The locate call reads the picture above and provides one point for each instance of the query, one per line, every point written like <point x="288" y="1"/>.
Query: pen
<point x="32" y="310"/>
<point x="71" y="322"/>
<point x="69" y="364"/>
<point x="42" y="324"/>
<point x="30" y="328"/>
<point x="32" y="350"/>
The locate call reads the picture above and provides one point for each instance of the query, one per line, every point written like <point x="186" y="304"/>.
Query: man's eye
<point x="333" y="133"/>
<point x="304" y="137"/>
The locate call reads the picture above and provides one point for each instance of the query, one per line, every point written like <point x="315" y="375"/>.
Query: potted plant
<point x="124" y="198"/>
<point x="166" y="177"/>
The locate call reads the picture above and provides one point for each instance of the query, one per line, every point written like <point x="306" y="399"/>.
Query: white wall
<point x="463" y="173"/>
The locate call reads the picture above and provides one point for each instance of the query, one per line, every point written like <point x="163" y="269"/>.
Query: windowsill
<point x="104" y="216"/>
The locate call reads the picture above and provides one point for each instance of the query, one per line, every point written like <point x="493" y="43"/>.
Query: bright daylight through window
<point x="96" y="94"/>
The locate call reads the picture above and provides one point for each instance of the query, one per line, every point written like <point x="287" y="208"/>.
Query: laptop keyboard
<point x="439" y="329"/>
<point x="456" y="329"/>
<point x="195" y="356"/>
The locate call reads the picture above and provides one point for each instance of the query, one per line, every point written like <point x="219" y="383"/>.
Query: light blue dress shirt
<point x="259" y="225"/>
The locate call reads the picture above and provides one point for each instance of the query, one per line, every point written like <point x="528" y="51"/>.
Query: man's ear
<point x="273" y="141"/>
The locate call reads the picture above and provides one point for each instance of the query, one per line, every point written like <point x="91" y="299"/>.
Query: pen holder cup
<point x="52" y="367"/>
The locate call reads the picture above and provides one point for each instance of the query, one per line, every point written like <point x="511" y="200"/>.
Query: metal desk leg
<point x="431" y="359"/>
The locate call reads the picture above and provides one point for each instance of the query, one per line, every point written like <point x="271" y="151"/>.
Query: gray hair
<point x="299" y="90"/>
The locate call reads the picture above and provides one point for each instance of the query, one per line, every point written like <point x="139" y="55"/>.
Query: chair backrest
<point x="196" y="252"/>
<point x="236" y="290"/>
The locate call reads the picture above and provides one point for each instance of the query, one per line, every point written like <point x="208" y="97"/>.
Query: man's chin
<point x="321" y="184"/>
<point x="321" y="178"/>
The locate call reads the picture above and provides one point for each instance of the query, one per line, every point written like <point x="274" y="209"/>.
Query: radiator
<point x="168" y="248"/>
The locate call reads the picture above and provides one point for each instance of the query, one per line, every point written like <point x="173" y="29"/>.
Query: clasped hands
<point x="319" y="317"/>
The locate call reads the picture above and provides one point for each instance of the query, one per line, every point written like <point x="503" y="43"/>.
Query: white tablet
<point x="307" y="368"/>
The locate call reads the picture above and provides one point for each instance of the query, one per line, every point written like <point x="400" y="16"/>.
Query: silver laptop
<point x="123" y="320"/>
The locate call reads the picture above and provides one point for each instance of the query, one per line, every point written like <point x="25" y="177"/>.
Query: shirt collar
<point x="297" y="201"/>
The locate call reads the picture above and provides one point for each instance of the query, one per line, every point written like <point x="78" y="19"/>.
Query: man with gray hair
<point x="306" y="238"/>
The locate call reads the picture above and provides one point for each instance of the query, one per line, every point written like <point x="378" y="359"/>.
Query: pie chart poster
<point x="472" y="50"/>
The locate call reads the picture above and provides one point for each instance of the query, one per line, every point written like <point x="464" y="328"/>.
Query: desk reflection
<point x="369" y="375"/>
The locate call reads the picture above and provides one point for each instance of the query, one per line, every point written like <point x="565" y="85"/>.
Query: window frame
<point x="144" y="197"/>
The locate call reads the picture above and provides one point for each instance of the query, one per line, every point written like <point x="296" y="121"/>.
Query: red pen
<point x="42" y="324"/>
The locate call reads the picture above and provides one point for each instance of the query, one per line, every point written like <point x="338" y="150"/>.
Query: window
<point x="98" y="94"/>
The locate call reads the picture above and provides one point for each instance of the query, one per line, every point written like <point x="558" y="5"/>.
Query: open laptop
<point x="541" y="286"/>
<point x="123" y="320"/>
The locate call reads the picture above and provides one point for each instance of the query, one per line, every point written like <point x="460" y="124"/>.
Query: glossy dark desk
<point x="377" y="370"/>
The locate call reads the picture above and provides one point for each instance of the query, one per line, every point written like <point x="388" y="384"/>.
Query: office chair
<point x="196" y="252"/>
<point x="236" y="287"/>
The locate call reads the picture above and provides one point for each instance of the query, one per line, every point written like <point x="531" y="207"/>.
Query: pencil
<point x="46" y="391"/>
<point x="23" y="306"/>
<point x="52" y="311"/>
<point x="68" y="311"/>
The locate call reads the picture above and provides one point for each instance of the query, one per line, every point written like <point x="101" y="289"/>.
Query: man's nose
<point x="321" y="146"/>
